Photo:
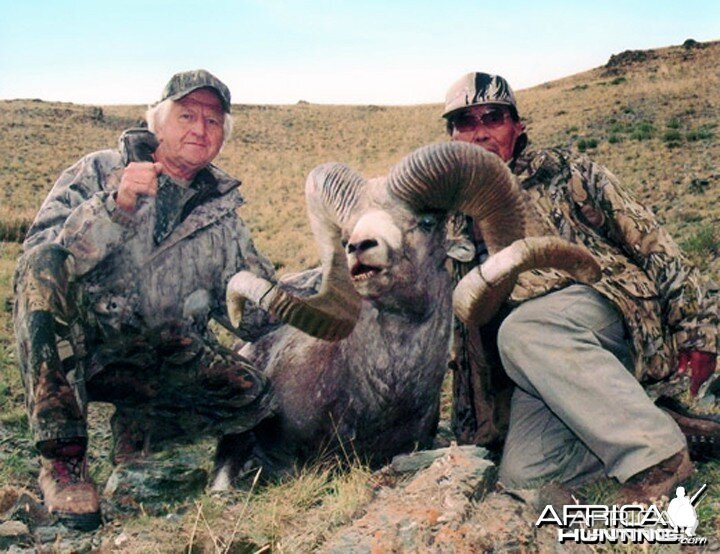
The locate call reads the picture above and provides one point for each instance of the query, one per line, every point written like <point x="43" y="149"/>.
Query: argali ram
<point x="360" y="366"/>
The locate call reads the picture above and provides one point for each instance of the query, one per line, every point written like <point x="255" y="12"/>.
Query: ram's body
<point x="375" y="393"/>
<point x="385" y="294"/>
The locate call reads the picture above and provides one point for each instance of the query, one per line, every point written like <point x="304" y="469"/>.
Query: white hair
<point x="157" y="114"/>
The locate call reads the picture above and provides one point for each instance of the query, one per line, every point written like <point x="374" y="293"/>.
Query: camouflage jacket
<point x="128" y="284"/>
<point x="645" y="275"/>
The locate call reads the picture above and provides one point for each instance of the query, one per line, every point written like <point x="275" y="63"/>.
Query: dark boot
<point x="656" y="481"/>
<point x="66" y="486"/>
<point x="702" y="431"/>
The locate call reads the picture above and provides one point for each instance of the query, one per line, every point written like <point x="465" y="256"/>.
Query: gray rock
<point x="14" y="533"/>
<point x="425" y="511"/>
<point x="48" y="533"/>
<point x="422" y="459"/>
<point x="75" y="545"/>
<point x="30" y="510"/>
<point x="444" y="436"/>
<point x="157" y="482"/>
<point x="451" y="507"/>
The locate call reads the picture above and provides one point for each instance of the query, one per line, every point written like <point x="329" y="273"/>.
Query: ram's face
<point x="392" y="251"/>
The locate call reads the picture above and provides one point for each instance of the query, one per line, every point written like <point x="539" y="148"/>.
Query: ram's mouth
<point x="362" y="272"/>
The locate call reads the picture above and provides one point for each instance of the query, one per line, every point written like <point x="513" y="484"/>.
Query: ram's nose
<point x="361" y="245"/>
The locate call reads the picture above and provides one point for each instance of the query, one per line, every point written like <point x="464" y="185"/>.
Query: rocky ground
<point x="444" y="500"/>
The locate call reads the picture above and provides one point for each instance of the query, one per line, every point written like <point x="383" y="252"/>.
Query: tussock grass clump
<point x="644" y="130"/>
<point x="587" y="144"/>
<point x="672" y="138"/>
<point x="704" y="132"/>
<point x="14" y="224"/>
<point x="703" y="241"/>
<point x="293" y="515"/>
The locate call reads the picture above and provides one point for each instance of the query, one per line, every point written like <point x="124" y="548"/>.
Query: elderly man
<point x="577" y="353"/>
<point x="125" y="263"/>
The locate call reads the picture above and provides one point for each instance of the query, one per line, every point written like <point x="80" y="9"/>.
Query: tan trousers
<point x="577" y="412"/>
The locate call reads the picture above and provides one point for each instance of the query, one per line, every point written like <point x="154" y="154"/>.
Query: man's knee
<point x="43" y="281"/>
<point x="49" y="258"/>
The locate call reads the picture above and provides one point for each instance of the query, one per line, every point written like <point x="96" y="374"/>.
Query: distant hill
<point x="651" y="116"/>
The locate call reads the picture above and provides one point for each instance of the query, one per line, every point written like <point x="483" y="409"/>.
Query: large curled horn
<point x="480" y="293"/>
<point x="458" y="176"/>
<point x="331" y="191"/>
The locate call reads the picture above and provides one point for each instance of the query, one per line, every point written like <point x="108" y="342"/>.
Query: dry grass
<point x="275" y="147"/>
<point x="294" y="515"/>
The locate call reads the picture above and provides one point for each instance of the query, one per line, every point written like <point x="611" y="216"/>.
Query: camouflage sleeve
<point x="77" y="212"/>
<point x="243" y="255"/>
<point x="690" y="308"/>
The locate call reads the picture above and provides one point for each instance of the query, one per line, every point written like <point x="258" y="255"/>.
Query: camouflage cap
<point x="476" y="89"/>
<point x="182" y="84"/>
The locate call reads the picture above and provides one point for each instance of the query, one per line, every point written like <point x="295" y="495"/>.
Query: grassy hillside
<point x="649" y="116"/>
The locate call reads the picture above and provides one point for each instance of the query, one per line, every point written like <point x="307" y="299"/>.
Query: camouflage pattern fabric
<point x="171" y="383"/>
<point x="665" y="304"/>
<point x="192" y="386"/>
<point x="44" y="316"/>
<point x="94" y="291"/>
<point x="182" y="84"/>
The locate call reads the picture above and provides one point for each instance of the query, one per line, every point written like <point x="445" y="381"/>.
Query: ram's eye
<point x="344" y="243"/>
<point x="427" y="222"/>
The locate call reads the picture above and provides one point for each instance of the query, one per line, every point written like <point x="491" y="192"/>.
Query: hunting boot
<point x="702" y="431"/>
<point x="66" y="486"/>
<point x="657" y="480"/>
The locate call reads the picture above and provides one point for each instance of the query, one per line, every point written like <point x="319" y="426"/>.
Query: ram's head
<point x="378" y="239"/>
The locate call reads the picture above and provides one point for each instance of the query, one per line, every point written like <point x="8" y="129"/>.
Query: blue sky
<point x="326" y="51"/>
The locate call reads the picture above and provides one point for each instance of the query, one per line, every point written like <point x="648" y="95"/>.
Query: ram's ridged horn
<point x="462" y="177"/>
<point x="481" y="292"/>
<point x="458" y="176"/>
<point x="330" y="193"/>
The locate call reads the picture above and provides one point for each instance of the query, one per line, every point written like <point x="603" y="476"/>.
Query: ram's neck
<point x="391" y="351"/>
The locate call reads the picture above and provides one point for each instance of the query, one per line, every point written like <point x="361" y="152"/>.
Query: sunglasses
<point x="491" y="119"/>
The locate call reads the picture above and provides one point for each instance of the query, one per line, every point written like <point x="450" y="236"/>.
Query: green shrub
<point x="673" y="124"/>
<point x="703" y="241"/>
<point x="704" y="132"/>
<point x="644" y="130"/>
<point x="614" y="139"/>
<point x="698" y="186"/>
<point x="618" y="80"/>
<point x="672" y="137"/>
<point x="587" y="144"/>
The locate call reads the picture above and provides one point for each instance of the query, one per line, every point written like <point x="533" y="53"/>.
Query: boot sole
<point x="81" y="522"/>
<point x="701" y="431"/>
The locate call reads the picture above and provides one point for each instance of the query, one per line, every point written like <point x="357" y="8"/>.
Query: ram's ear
<point x="457" y="176"/>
